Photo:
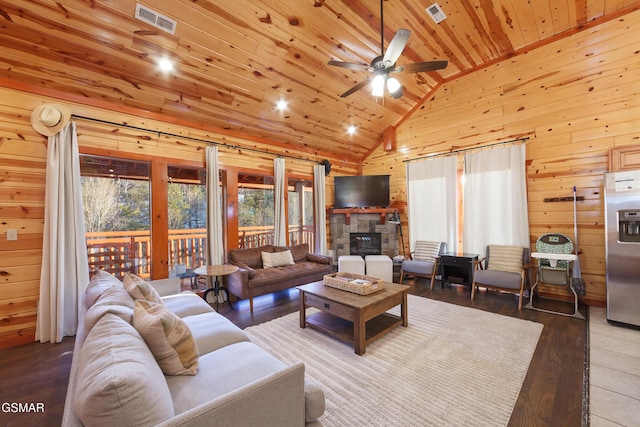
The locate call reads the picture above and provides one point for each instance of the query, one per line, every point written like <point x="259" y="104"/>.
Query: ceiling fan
<point x="385" y="64"/>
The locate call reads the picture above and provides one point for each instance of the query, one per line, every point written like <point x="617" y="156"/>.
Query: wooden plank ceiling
<point x="234" y="60"/>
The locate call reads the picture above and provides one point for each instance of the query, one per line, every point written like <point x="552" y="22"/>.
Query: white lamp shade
<point x="377" y="85"/>
<point x="393" y="85"/>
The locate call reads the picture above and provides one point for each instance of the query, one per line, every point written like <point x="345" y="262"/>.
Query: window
<point x="116" y="199"/>
<point x="255" y="210"/>
<point x="187" y="217"/>
<point x="148" y="215"/>
<point x="301" y="225"/>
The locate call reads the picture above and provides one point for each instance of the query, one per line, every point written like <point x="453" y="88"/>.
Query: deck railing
<point x="302" y="234"/>
<point x="254" y="237"/>
<point x="120" y="251"/>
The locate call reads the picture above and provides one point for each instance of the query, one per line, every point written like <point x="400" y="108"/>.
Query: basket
<point x="355" y="283"/>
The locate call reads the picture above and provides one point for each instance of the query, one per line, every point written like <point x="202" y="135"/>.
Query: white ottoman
<point x="351" y="264"/>
<point x="379" y="266"/>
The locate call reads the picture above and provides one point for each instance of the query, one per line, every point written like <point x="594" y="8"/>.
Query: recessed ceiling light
<point x="165" y="64"/>
<point x="351" y="129"/>
<point x="281" y="105"/>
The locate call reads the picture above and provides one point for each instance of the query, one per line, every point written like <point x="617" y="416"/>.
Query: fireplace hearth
<point x="364" y="244"/>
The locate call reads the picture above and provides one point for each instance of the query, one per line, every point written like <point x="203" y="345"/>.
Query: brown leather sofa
<point x="252" y="279"/>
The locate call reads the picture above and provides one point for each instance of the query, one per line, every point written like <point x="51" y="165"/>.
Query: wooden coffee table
<point x="353" y="318"/>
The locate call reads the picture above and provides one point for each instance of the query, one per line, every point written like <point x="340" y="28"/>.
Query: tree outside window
<point x="300" y="211"/>
<point x="116" y="200"/>
<point x="187" y="214"/>
<point x="256" y="210"/>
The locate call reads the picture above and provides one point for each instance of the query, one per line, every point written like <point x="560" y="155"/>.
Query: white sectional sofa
<point x="116" y="381"/>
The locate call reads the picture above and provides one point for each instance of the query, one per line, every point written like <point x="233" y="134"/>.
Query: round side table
<point x="216" y="271"/>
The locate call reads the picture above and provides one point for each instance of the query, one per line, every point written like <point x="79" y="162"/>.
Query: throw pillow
<point x="299" y="252"/>
<point x="168" y="337"/>
<point x="277" y="259"/>
<point x="115" y="300"/>
<point x="100" y="282"/>
<point x="251" y="257"/>
<point x="505" y="258"/>
<point x="139" y="288"/>
<point x="426" y="251"/>
<point x="118" y="382"/>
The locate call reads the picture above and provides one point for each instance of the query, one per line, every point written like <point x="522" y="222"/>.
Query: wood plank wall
<point x="575" y="99"/>
<point x="22" y="185"/>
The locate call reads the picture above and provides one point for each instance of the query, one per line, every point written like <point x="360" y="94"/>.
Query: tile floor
<point x="614" y="378"/>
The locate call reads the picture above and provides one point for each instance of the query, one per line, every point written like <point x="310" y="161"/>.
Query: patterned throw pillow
<point x="426" y="251"/>
<point x="505" y="258"/>
<point x="168" y="337"/>
<point x="277" y="259"/>
<point x="139" y="288"/>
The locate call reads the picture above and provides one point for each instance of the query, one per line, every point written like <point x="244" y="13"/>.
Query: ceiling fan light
<point x="377" y="85"/>
<point x="393" y="85"/>
<point x="397" y="94"/>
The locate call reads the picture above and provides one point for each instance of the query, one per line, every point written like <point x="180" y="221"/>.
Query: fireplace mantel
<point x="349" y="211"/>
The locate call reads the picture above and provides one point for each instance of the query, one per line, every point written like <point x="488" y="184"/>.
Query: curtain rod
<point x="462" y="150"/>
<point x="191" y="138"/>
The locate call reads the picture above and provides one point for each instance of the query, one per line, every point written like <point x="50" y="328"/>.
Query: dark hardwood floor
<point x="552" y="394"/>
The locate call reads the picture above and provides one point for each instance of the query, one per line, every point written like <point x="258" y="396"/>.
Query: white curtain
<point x="279" y="187"/>
<point x="431" y="199"/>
<point x="495" y="199"/>
<point x="65" y="272"/>
<point x="215" y="247"/>
<point x="319" y="205"/>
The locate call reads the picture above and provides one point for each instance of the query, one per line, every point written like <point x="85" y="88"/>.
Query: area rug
<point x="452" y="365"/>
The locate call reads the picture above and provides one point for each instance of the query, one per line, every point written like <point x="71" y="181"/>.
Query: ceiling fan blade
<point x="396" y="47"/>
<point x="350" y="65"/>
<point x="355" y="88"/>
<point x="418" y="67"/>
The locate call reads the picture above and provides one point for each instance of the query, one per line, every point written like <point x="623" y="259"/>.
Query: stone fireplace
<point x="364" y="244"/>
<point x="342" y="226"/>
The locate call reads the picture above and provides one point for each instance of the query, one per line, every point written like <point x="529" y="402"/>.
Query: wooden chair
<point x="504" y="270"/>
<point x="423" y="261"/>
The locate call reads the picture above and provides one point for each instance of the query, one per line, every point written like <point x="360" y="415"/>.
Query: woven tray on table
<point x="355" y="283"/>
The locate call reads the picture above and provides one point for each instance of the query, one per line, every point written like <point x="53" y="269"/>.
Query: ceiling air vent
<point x="436" y="13"/>
<point x="154" y="18"/>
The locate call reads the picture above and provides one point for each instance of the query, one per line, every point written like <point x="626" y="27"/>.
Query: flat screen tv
<point x="361" y="191"/>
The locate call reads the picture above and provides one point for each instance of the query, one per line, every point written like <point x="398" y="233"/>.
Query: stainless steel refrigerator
<point x="622" y="236"/>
